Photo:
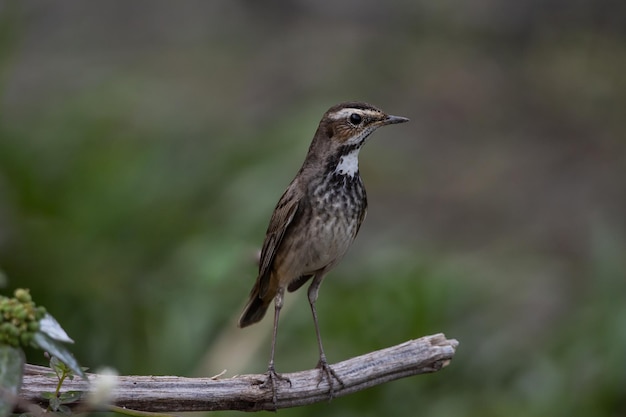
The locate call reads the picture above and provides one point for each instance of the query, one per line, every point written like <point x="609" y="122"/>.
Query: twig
<point x="177" y="394"/>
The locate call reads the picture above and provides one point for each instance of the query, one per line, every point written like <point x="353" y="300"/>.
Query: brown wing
<point x="281" y="218"/>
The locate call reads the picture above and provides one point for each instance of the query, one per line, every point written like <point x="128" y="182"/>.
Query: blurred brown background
<point x="144" y="144"/>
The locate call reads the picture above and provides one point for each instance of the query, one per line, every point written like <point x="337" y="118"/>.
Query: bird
<point x="315" y="222"/>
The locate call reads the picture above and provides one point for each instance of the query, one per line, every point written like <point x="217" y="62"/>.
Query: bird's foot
<point x="270" y="382"/>
<point x="326" y="372"/>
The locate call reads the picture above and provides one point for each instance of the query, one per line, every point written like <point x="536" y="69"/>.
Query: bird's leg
<point x="272" y="376"/>
<point x="325" y="370"/>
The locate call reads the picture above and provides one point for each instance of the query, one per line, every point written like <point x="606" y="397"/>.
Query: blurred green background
<point x="144" y="144"/>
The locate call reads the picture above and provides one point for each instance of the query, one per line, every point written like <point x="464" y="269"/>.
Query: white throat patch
<point x="349" y="164"/>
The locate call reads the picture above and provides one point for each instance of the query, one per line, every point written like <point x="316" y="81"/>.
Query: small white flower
<point x="102" y="387"/>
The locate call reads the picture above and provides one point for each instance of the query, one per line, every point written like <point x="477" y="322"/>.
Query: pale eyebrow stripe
<point x="343" y="113"/>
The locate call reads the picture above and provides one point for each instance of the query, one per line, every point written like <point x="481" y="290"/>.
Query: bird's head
<point x="343" y="130"/>
<point x="349" y="124"/>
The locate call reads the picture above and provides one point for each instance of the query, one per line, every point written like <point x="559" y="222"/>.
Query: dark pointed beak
<point x="392" y="120"/>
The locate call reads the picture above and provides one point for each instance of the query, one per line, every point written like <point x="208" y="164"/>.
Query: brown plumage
<point x="316" y="219"/>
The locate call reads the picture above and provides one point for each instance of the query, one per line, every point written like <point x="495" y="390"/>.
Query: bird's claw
<point x="326" y="372"/>
<point x="270" y="382"/>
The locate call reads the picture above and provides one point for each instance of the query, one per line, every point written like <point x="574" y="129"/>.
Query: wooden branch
<point x="243" y="392"/>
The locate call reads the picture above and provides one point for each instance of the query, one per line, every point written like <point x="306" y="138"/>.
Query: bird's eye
<point x="355" y="119"/>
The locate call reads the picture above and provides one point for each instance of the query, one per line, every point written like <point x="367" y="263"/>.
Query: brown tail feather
<point x="254" y="310"/>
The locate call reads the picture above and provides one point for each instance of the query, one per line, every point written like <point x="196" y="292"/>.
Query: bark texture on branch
<point x="177" y="394"/>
